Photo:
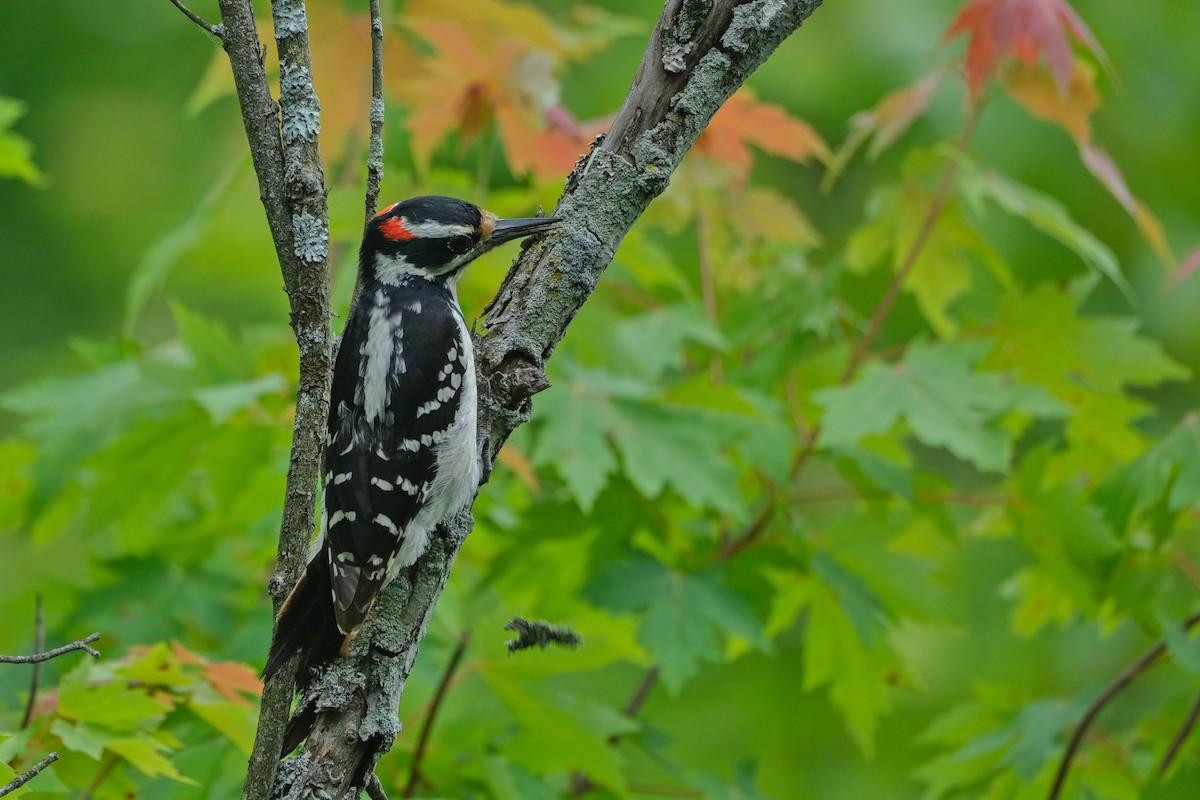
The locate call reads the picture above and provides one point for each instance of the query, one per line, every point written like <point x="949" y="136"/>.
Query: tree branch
<point x="27" y="776"/>
<point x="375" y="150"/>
<point x="699" y="54"/>
<point x="214" y="30"/>
<point x="1180" y="737"/>
<point x="39" y="643"/>
<point x="283" y="147"/>
<point x="1128" y="676"/>
<point x="414" y="775"/>
<point x="38" y="658"/>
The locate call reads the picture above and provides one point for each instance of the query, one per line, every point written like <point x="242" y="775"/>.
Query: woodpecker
<point x="401" y="451"/>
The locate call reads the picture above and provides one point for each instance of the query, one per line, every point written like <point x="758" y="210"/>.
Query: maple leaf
<point x="883" y="124"/>
<point x="476" y="78"/>
<point x="1106" y="171"/>
<point x="342" y="49"/>
<point x="1041" y="96"/>
<point x="1023" y="29"/>
<point x="229" y="678"/>
<point x="745" y="121"/>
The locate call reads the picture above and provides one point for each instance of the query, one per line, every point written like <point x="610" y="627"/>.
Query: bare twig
<point x="37" y="658"/>
<point x="642" y="692"/>
<point x="414" y="776"/>
<point x="109" y="765"/>
<point x="933" y="212"/>
<point x="39" y="644"/>
<point x="294" y="201"/>
<point x="28" y="775"/>
<point x="1127" y="676"/>
<point x="1180" y="737"/>
<point x="375" y="150"/>
<point x="215" y="30"/>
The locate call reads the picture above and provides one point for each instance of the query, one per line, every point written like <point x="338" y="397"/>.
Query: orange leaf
<point x="1023" y="29"/>
<point x="186" y="656"/>
<point x="1106" y="171"/>
<point x="1187" y="268"/>
<point x="1037" y="92"/>
<point x="743" y="121"/>
<point x="516" y="461"/>
<point x="229" y="678"/>
<point x="476" y="77"/>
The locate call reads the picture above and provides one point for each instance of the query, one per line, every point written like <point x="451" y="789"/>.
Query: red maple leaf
<point x="1027" y="30"/>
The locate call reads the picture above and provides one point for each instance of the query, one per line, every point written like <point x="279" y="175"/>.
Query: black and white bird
<point x="401" y="451"/>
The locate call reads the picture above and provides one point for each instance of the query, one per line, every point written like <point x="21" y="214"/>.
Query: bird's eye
<point x="460" y="244"/>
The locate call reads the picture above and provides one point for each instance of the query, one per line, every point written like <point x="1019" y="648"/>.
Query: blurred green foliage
<point x="844" y="565"/>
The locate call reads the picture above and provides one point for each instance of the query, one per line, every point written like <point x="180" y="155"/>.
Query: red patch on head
<point x="394" y="229"/>
<point x="386" y="210"/>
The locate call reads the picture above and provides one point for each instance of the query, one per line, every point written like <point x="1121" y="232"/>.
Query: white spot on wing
<point x="386" y="522"/>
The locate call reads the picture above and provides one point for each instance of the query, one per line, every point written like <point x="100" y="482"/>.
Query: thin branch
<point x="1180" y="737"/>
<point x="642" y="693"/>
<point x="941" y="196"/>
<point x="39" y="644"/>
<point x="100" y="778"/>
<point x="294" y="202"/>
<point x="708" y="285"/>
<point x="1128" y="676"/>
<point x="414" y="776"/>
<point x="27" y="776"/>
<point x="215" y="30"/>
<point x="375" y="151"/>
<point x="37" y="658"/>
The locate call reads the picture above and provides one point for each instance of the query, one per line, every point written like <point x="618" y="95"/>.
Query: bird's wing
<point x="379" y="469"/>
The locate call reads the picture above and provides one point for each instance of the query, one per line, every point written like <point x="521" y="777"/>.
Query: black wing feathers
<point x="379" y="469"/>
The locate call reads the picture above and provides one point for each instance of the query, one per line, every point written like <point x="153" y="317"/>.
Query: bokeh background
<point x="145" y="173"/>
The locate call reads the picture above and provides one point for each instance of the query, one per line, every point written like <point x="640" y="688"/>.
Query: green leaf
<point x="573" y="438"/>
<point x="111" y="705"/>
<point x="945" y="402"/>
<point x="1169" y="470"/>
<point x="656" y="342"/>
<point x="836" y="656"/>
<point x="146" y="754"/>
<point x="943" y="271"/>
<point x="742" y="788"/>
<point x="81" y="737"/>
<point x="168" y="247"/>
<point x="683" y="612"/>
<point x="16" y="153"/>
<point x="555" y="737"/>
<point x="674" y="446"/>
<point x="1044" y="213"/>
<point x="1183" y="646"/>
<point x="1092" y="360"/>
<point x="629" y="586"/>
<point x="680" y="639"/>
<point x="860" y="604"/>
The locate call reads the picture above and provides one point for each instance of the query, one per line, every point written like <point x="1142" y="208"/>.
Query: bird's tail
<point x="306" y="624"/>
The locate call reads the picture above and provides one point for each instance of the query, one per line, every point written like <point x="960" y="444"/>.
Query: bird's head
<point x="435" y="237"/>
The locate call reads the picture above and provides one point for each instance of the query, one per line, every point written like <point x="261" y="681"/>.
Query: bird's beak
<point x="508" y="229"/>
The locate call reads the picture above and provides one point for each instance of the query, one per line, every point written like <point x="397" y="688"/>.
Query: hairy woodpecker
<point x="401" y="451"/>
